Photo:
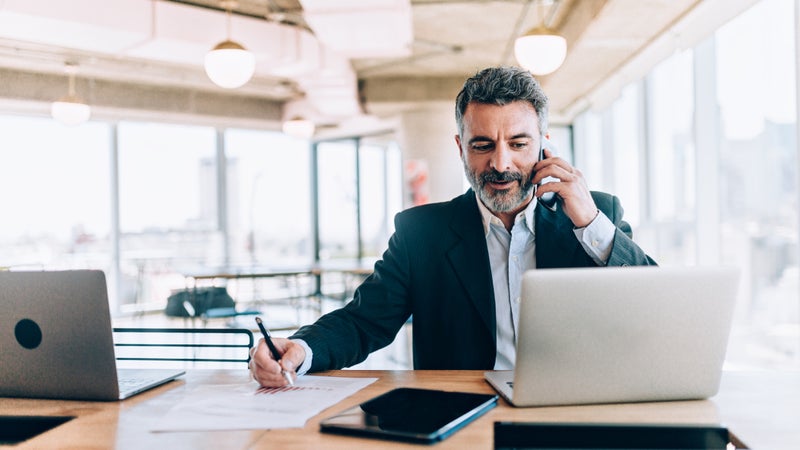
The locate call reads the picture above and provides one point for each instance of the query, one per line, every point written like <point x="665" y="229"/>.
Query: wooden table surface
<point x="761" y="408"/>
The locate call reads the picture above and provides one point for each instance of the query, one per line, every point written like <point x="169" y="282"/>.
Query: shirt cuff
<point x="597" y="238"/>
<point x="303" y="369"/>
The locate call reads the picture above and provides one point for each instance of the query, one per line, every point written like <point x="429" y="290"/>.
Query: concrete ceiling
<point x="452" y="39"/>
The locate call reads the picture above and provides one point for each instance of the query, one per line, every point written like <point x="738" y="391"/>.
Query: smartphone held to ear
<point x="548" y="199"/>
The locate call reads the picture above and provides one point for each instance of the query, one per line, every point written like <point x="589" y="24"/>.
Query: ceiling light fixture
<point x="298" y="127"/>
<point x="70" y="109"/>
<point x="229" y="64"/>
<point x="540" y="50"/>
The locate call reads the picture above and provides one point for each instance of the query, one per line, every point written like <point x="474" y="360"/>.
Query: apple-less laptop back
<point x="56" y="336"/>
<point x="626" y="334"/>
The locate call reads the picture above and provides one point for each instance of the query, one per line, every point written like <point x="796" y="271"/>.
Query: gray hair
<point x="501" y="86"/>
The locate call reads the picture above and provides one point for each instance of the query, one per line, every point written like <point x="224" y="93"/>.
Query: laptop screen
<point x="58" y="326"/>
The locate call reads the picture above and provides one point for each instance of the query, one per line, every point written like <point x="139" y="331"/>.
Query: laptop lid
<point x="624" y="334"/>
<point x="56" y="336"/>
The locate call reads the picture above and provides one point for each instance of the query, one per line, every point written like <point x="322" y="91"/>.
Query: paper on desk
<point x="246" y="406"/>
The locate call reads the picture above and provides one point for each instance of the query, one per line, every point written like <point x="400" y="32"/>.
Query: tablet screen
<point x="422" y="415"/>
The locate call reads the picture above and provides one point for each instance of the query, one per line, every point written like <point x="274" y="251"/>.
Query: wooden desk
<point x="763" y="409"/>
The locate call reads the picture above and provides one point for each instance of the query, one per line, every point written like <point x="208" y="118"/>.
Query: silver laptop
<point x="612" y="335"/>
<point x="57" y="339"/>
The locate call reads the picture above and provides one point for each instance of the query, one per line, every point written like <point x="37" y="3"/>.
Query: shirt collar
<point x="488" y="218"/>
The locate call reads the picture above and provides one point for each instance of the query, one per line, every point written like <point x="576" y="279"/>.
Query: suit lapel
<point x="469" y="258"/>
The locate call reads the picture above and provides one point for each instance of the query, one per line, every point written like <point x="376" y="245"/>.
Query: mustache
<point x="494" y="176"/>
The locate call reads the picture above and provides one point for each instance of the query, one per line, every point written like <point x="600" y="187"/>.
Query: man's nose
<point x="501" y="157"/>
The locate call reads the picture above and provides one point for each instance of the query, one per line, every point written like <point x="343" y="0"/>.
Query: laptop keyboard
<point x="130" y="380"/>
<point x="131" y="383"/>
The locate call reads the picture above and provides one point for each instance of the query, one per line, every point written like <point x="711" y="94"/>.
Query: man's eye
<point x="482" y="147"/>
<point x="519" y="144"/>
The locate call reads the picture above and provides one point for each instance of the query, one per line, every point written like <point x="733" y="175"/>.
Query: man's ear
<point x="460" y="150"/>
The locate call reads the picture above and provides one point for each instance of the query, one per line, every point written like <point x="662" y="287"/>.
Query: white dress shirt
<point x="512" y="253"/>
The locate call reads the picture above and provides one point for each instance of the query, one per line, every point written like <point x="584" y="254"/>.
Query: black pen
<point x="273" y="350"/>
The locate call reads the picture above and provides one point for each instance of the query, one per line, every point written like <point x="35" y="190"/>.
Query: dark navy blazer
<point x="437" y="269"/>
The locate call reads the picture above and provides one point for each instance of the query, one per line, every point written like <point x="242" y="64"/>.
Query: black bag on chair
<point x="193" y="302"/>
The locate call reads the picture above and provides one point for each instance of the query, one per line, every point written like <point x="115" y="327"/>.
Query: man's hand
<point x="266" y="370"/>
<point x="578" y="203"/>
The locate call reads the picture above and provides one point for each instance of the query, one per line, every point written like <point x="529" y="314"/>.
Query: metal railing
<point x="204" y="345"/>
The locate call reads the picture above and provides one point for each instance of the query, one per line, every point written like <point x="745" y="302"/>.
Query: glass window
<point x="670" y="89"/>
<point x="750" y="124"/>
<point x="168" y="205"/>
<point x="588" y="134"/>
<point x="381" y="196"/>
<point x="671" y="94"/>
<point x="54" y="189"/>
<point x="561" y="138"/>
<point x="368" y="190"/>
<point x="756" y="83"/>
<point x="167" y="177"/>
<point x="626" y="142"/>
<point x="336" y="188"/>
<point x="269" y="198"/>
<point x="394" y="184"/>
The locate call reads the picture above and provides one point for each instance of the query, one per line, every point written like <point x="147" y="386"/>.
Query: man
<point x="456" y="266"/>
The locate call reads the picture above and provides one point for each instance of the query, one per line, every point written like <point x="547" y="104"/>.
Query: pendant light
<point x="540" y="50"/>
<point x="298" y="127"/>
<point x="229" y="64"/>
<point x="70" y="109"/>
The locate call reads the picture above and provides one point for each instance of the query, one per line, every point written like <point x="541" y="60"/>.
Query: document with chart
<point x="247" y="406"/>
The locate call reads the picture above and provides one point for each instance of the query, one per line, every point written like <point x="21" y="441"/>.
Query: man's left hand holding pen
<point x="271" y="372"/>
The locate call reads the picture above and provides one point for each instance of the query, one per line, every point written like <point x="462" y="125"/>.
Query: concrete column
<point x="426" y="134"/>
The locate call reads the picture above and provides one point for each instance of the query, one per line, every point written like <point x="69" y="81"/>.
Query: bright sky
<point x="756" y="69"/>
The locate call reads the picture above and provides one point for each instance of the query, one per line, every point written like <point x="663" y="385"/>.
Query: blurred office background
<point x="686" y="109"/>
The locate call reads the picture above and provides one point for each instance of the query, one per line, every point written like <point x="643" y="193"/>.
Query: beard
<point x="501" y="200"/>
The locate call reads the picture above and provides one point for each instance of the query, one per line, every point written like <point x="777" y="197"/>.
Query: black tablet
<point x="408" y="414"/>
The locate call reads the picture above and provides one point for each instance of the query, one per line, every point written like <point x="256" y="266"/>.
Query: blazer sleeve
<point x="624" y="252"/>
<point x="369" y="322"/>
